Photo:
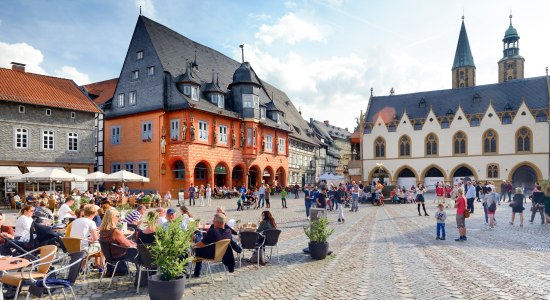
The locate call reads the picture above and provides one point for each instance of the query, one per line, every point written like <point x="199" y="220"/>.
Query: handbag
<point x="492" y="207"/>
<point x="466" y="214"/>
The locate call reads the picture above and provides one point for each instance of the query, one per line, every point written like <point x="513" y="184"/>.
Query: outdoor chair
<point x="42" y="265"/>
<point x="51" y="284"/>
<point x="220" y="247"/>
<point x="145" y="263"/>
<point x="249" y="241"/>
<point x="272" y="241"/>
<point x="15" y="204"/>
<point x="74" y="245"/>
<point x="52" y="204"/>
<point x="109" y="260"/>
<point x="132" y="201"/>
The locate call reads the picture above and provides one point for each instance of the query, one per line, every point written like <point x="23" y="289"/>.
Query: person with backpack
<point x="491" y="203"/>
<point x="517" y="206"/>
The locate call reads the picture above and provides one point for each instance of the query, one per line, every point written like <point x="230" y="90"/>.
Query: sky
<point x="325" y="54"/>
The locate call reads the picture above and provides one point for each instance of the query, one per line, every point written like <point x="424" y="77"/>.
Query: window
<point x="223" y="134"/>
<point x="254" y="138"/>
<point x="490" y="142"/>
<point x="200" y="173"/>
<point x="541" y="117"/>
<point x="175" y="129"/>
<point x="523" y="140"/>
<point x="146" y="131"/>
<point x="444" y="123"/>
<point x="492" y="171"/>
<point x="418" y="124"/>
<point x="256" y="90"/>
<point x="135" y="74"/>
<point x="179" y="170"/>
<point x="249" y="136"/>
<point x="195" y="93"/>
<point x="405" y="146"/>
<point x="73" y="115"/>
<point x="115" y="167"/>
<point x="143" y="168"/>
<point x="48" y="112"/>
<point x="120" y="100"/>
<point x="203" y="130"/>
<point x="392" y="127"/>
<point x="129" y="166"/>
<point x="379" y="147"/>
<point x="248" y="102"/>
<point x="139" y="55"/>
<point x="151" y="71"/>
<point x="21" y="109"/>
<point x="459" y="143"/>
<point x="506" y="119"/>
<point x="281" y="145"/>
<point x="115" y="135"/>
<point x="431" y="145"/>
<point x="132" y="98"/>
<point x="187" y="90"/>
<point x="268" y="143"/>
<point x="474" y="122"/>
<point x="47" y="140"/>
<point x="256" y="100"/>
<point x="72" y="141"/>
<point x="221" y="101"/>
<point x="262" y="113"/>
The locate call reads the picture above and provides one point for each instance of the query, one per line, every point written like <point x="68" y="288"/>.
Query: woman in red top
<point x="448" y="193"/>
<point x="460" y="206"/>
<point x="440" y="193"/>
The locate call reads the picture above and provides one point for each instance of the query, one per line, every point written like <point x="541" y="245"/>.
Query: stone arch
<point x="280" y="176"/>
<point x="402" y="168"/>
<point x="375" y="171"/>
<point x="428" y="168"/>
<point x="456" y="168"/>
<point x="254" y="176"/>
<point x="222" y="174"/>
<point x="202" y="173"/>
<point x="238" y="175"/>
<point x="536" y="170"/>
<point x="268" y="175"/>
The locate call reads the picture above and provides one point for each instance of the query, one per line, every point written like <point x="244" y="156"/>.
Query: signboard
<point x="11" y="187"/>
<point x="406" y="182"/>
<point x="181" y="198"/>
<point x="430" y="182"/>
<point x="81" y="186"/>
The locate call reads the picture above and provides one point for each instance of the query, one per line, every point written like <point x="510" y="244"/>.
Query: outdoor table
<point x="6" y="265"/>
<point x="129" y="232"/>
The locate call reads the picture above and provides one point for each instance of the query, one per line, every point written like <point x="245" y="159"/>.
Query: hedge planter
<point x="166" y="290"/>
<point x="318" y="250"/>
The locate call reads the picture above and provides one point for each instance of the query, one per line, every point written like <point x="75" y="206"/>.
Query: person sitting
<point x="6" y="232"/>
<point x="147" y="235"/>
<point x="85" y="229"/>
<point x="161" y="216"/>
<point x="218" y="231"/>
<point x="109" y="232"/>
<point x="266" y="222"/>
<point x="23" y="224"/>
<point x="134" y="218"/>
<point x="65" y="210"/>
<point x="41" y="211"/>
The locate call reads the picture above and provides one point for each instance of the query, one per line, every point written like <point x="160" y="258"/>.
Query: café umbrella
<point x="124" y="176"/>
<point x="95" y="177"/>
<point x="49" y="175"/>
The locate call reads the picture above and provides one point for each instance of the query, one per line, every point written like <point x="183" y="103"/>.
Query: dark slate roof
<point x="245" y="74"/>
<point x="173" y="50"/>
<point x="333" y="131"/>
<point x="533" y="90"/>
<point x="189" y="77"/>
<point x="322" y="131"/>
<point x="463" y="54"/>
<point x="214" y="87"/>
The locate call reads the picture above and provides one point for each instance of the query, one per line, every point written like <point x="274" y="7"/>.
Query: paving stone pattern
<point x="384" y="252"/>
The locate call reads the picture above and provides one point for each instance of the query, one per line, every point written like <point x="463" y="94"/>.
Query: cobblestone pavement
<point x="379" y="253"/>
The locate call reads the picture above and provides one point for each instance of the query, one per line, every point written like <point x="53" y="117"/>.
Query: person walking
<point x="440" y="216"/>
<point x="470" y="196"/>
<point x="547" y="204"/>
<point x="509" y="190"/>
<point x="517" y="206"/>
<point x="420" y="199"/>
<point x="492" y="200"/>
<point x="208" y="195"/>
<point x="448" y="194"/>
<point x="460" y="206"/>
<point x="192" y="193"/>
<point x="537" y="205"/>
<point x="308" y="198"/>
<point x="440" y="193"/>
<point x="296" y="191"/>
<point x="267" y="194"/>
<point x="354" y="197"/>
<point x="202" y="193"/>
<point x="283" y="197"/>
<point x="339" y="196"/>
<point x="503" y="189"/>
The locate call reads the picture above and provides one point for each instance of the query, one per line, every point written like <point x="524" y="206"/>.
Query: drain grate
<point x="541" y="249"/>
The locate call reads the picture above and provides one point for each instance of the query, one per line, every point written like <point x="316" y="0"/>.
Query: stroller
<point x="40" y="235"/>
<point x="249" y="201"/>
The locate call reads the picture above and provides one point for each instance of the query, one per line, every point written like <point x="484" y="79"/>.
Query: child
<point x="440" y="216"/>
<point x="283" y="197"/>
<point x="240" y="201"/>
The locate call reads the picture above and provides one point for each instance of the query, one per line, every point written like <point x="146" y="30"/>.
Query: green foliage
<point x="318" y="231"/>
<point x="146" y="199"/>
<point x="170" y="252"/>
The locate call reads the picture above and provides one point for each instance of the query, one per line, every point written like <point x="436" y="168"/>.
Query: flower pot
<point x="318" y="250"/>
<point x="166" y="290"/>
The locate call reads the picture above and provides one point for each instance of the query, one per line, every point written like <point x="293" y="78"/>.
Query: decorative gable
<point x="405" y="125"/>
<point x="490" y="119"/>
<point x="460" y="121"/>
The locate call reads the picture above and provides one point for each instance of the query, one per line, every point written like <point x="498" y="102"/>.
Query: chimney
<point x="326" y="122"/>
<point x="19" y="67"/>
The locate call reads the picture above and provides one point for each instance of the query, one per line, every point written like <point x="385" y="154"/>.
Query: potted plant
<point x="318" y="233"/>
<point x="170" y="254"/>
<point x="146" y="200"/>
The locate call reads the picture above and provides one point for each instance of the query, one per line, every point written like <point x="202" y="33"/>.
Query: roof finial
<point x="546" y="71"/>
<point x="242" y="52"/>
<point x="218" y="79"/>
<point x="194" y="65"/>
<point x="510" y="17"/>
<point x="300" y="110"/>
<point x="462" y="14"/>
<point x="212" y="75"/>
<point x="371" y="89"/>
<point x="140" y="10"/>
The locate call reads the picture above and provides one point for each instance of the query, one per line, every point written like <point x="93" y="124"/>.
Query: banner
<point x="406" y="182"/>
<point x="430" y="182"/>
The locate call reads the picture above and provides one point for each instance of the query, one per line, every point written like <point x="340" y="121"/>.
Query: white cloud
<point x="259" y="17"/>
<point x="290" y="4"/>
<point x="290" y="29"/>
<point x="22" y="53"/>
<point x="147" y="8"/>
<point x="72" y="73"/>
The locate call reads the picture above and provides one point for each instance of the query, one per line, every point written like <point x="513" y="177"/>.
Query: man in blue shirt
<point x="308" y="199"/>
<point x="470" y="196"/>
<point x="192" y="191"/>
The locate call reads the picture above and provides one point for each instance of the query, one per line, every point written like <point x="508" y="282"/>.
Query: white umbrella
<point x="95" y="177"/>
<point x="47" y="176"/>
<point x="124" y="176"/>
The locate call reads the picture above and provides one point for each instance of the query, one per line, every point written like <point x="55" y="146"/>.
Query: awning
<point x="8" y="171"/>
<point x="40" y="169"/>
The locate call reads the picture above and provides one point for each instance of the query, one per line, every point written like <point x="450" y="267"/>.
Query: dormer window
<point x="262" y="113"/>
<point x="217" y="99"/>
<point x="277" y="117"/>
<point x="195" y="93"/>
<point x="135" y="74"/>
<point x="476" y="98"/>
<point x="187" y="90"/>
<point x="422" y="103"/>
<point x="256" y="90"/>
<point x="48" y="112"/>
<point x="474" y="122"/>
<point x="251" y="101"/>
<point x="139" y="55"/>
<point x="445" y="123"/>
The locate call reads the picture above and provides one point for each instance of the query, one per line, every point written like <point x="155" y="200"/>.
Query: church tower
<point x="464" y="69"/>
<point x="511" y="65"/>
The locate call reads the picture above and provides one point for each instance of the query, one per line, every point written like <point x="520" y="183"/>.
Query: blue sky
<point x="325" y="54"/>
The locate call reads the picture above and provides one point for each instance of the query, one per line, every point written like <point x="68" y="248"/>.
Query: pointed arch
<point x="431" y="144"/>
<point x="375" y="171"/>
<point x="379" y="150"/>
<point x="432" y="166"/>
<point x="493" y="171"/>
<point x="489" y="140"/>
<point x="405" y="143"/>
<point x="460" y="143"/>
<point x="467" y="166"/>
<point x="524" y="140"/>
<point x="537" y="171"/>
<point x="402" y="168"/>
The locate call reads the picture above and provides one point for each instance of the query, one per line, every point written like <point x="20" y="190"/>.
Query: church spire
<point x="511" y="64"/>
<point x="464" y="69"/>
